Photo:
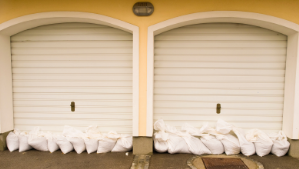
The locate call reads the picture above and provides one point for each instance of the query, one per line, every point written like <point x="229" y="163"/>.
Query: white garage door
<point x="56" y="64"/>
<point x="242" y="67"/>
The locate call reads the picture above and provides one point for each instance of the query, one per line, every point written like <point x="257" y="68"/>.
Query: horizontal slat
<point x="74" y="57"/>
<point x="90" y="37"/>
<point x="221" y="58"/>
<point x="85" y="116"/>
<point x="236" y="86"/>
<point x="252" y="119"/>
<point x="67" y="64"/>
<point x="219" y="72"/>
<point x="50" y="89"/>
<point x="175" y="111"/>
<point x="241" y="124"/>
<point x="41" y="51"/>
<point x="66" y="109"/>
<point x="220" y="25"/>
<point x="73" y="44"/>
<point x="180" y="64"/>
<point x="59" y="128"/>
<point x="92" y="121"/>
<point x="215" y="30"/>
<point x="226" y="36"/>
<point x="219" y="99"/>
<point x="230" y="79"/>
<point x="70" y="83"/>
<point x="74" y="96"/>
<point x="219" y="51"/>
<point x="72" y="31"/>
<point x="106" y="70"/>
<point x="182" y="104"/>
<point x="71" y="77"/>
<point x="220" y="44"/>
<point x="194" y="91"/>
<point x="87" y="103"/>
<point x="72" y="25"/>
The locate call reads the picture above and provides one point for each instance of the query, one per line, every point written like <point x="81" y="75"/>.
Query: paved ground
<point x="35" y="159"/>
<point x="38" y="160"/>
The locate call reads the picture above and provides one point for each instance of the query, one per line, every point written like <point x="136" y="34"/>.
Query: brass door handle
<point x="72" y="106"/>
<point x="218" y="108"/>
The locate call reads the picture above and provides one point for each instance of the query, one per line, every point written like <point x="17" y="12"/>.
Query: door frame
<point x="11" y="27"/>
<point x="291" y="94"/>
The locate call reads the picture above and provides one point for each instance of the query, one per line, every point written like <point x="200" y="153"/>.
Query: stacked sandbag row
<point x="71" y="139"/>
<point x="224" y="138"/>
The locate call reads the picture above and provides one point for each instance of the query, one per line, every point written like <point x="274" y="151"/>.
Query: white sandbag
<point x="213" y="144"/>
<point x="23" y="142"/>
<point x="93" y="135"/>
<point x="123" y="144"/>
<point x="247" y="148"/>
<point x="91" y="145"/>
<point x="195" y="145"/>
<point x="107" y="143"/>
<point x="78" y="144"/>
<point x="263" y="144"/>
<point x="37" y="140"/>
<point x="177" y="144"/>
<point x="64" y="144"/>
<point x="52" y="145"/>
<point x="230" y="143"/>
<point x="280" y="143"/>
<point x="12" y="141"/>
<point x="160" y="137"/>
<point x="75" y="138"/>
<point x="223" y="127"/>
<point x="160" y="141"/>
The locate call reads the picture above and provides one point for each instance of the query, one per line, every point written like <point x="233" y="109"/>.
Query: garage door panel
<point x="227" y="36"/>
<point x="184" y="104"/>
<point x="220" y="51"/>
<point x="217" y="98"/>
<point x="212" y="110"/>
<point x="240" y="86"/>
<point x="65" y="109"/>
<point x="74" y="57"/>
<point x="242" y="67"/>
<point x="107" y="70"/>
<point x="68" y="96"/>
<point x="56" y="64"/>
<point x="91" y="90"/>
<point x="222" y="58"/>
<point x="63" y="44"/>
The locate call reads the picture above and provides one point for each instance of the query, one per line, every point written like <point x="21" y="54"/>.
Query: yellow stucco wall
<point x="164" y="9"/>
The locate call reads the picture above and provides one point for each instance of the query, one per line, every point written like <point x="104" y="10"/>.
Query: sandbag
<point x="107" y="143"/>
<point x="123" y="144"/>
<point x="247" y="148"/>
<point x="280" y="143"/>
<point x="52" y="145"/>
<point x="37" y="140"/>
<point x="23" y="142"/>
<point x="177" y="144"/>
<point x="75" y="137"/>
<point x="213" y="144"/>
<point x="160" y="141"/>
<point x="160" y="136"/>
<point x="91" y="139"/>
<point x="12" y="141"/>
<point x="263" y="144"/>
<point x="195" y="144"/>
<point x="64" y="144"/>
<point x="78" y="144"/>
<point x="231" y="143"/>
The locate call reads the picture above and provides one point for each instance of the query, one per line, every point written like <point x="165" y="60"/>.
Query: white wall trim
<point x="22" y="23"/>
<point x="291" y="109"/>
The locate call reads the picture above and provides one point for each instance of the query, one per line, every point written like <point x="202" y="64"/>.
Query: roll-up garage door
<point x="56" y="64"/>
<point x="239" y="66"/>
